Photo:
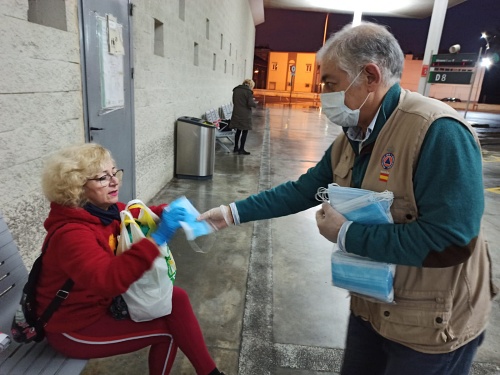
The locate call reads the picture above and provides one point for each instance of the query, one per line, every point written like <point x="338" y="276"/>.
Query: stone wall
<point x="170" y="86"/>
<point x="41" y="110"/>
<point x="41" y="91"/>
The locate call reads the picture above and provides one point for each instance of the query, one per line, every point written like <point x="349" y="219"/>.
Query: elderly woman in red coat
<point x="82" y="183"/>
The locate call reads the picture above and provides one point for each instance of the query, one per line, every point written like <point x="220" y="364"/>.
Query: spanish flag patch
<point x="384" y="176"/>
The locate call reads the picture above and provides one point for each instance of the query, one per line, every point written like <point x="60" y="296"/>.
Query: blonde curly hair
<point x="249" y="82"/>
<point x="66" y="172"/>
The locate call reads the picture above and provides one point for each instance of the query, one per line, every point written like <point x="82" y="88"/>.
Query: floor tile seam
<point x="256" y="354"/>
<point x="257" y="316"/>
<point x="256" y="340"/>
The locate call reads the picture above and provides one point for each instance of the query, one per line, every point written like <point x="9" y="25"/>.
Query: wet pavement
<point x="262" y="291"/>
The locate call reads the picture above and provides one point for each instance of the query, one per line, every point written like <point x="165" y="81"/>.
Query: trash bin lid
<point x="195" y="121"/>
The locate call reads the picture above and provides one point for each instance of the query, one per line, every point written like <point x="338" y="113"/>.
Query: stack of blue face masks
<point x="360" y="205"/>
<point x="360" y="275"/>
<point x="363" y="276"/>
<point x="192" y="227"/>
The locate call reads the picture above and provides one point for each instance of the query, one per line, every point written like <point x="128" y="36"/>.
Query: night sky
<point x="298" y="31"/>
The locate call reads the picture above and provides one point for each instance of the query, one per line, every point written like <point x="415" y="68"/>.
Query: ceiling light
<point x="367" y="6"/>
<point x="486" y="62"/>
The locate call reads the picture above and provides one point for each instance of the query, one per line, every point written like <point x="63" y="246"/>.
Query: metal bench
<point x="24" y="359"/>
<point x="222" y="129"/>
<point x="227" y="111"/>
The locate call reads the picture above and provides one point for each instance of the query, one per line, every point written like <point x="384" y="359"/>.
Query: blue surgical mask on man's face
<point x="334" y="108"/>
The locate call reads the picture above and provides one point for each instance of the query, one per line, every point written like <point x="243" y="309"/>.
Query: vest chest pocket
<point x="342" y="171"/>
<point x="402" y="210"/>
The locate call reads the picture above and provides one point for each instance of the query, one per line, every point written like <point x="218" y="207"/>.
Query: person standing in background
<point x="241" y="119"/>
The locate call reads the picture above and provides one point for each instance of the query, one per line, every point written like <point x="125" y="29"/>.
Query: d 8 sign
<point x="463" y="78"/>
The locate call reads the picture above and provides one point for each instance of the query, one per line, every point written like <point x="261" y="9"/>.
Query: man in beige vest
<point x="429" y="157"/>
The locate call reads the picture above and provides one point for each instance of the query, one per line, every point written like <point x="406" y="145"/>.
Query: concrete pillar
<point x="433" y="39"/>
<point x="356" y="20"/>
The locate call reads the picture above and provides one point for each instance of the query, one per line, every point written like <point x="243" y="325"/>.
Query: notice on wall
<point x="115" y="36"/>
<point x="111" y="63"/>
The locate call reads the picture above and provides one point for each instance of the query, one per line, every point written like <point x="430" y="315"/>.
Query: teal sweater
<point x="448" y="188"/>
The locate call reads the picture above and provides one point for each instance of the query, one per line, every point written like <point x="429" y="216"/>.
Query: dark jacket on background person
<point x="242" y="108"/>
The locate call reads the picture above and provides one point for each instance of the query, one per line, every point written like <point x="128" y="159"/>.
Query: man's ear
<point x="373" y="75"/>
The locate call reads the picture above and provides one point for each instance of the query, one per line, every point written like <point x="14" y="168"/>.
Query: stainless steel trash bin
<point x="195" y="148"/>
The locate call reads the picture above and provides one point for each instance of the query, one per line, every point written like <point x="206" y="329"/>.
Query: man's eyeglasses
<point x="106" y="179"/>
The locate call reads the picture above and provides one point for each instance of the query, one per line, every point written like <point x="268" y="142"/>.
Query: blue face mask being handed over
<point x="192" y="227"/>
<point x="334" y="108"/>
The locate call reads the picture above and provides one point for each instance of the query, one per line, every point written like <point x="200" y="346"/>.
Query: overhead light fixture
<point x="486" y="62"/>
<point x="455" y="48"/>
<point x="485" y="37"/>
<point x="368" y="6"/>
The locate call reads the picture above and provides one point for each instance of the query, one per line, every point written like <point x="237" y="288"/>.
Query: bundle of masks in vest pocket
<point x="361" y="275"/>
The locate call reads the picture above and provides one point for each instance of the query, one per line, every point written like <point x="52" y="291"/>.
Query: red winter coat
<point x="82" y="248"/>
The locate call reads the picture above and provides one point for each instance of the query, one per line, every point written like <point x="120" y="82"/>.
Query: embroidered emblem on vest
<point x="388" y="160"/>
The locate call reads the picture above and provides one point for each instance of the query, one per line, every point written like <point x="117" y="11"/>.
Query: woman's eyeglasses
<point x="106" y="179"/>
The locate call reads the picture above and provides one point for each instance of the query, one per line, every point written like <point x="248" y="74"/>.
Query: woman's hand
<point x="170" y="222"/>
<point x="329" y="222"/>
<point x="218" y="217"/>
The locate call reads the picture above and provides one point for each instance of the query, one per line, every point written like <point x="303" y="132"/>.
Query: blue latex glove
<point x="169" y="224"/>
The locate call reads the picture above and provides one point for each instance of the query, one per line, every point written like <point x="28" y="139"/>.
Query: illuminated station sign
<point x="452" y="68"/>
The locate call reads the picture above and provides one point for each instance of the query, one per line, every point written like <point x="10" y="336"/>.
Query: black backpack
<point x="26" y="325"/>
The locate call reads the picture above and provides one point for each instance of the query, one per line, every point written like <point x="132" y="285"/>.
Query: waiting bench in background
<point x="24" y="359"/>
<point x="227" y="111"/>
<point x="222" y="129"/>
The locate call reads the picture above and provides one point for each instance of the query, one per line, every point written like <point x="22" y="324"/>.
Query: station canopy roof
<point x="388" y="8"/>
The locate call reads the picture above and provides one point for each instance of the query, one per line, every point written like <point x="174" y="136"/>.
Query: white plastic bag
<point x="130" y="232"/>
<point x="149" y="297"/>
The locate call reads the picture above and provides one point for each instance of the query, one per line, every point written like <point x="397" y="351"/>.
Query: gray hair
<point x="353" y="47"/>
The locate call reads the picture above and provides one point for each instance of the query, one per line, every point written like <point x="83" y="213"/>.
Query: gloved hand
<point x="218" y="217"/>
<point x="168" y="225"/>
<point x="329" y="222"/>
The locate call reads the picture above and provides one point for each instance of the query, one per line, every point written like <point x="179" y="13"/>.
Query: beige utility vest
<point x="436" y="310"/>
